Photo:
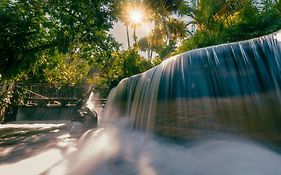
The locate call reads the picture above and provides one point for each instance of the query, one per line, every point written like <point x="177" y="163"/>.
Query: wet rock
<point x="89" y="117"/>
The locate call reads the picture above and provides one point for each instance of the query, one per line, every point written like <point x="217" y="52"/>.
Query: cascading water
<point x="231" y="87"/>
<point x="222" y="102"/>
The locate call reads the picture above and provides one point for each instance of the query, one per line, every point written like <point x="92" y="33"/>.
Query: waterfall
<point x="210" y="111"/>
<point x="231" y="87"/>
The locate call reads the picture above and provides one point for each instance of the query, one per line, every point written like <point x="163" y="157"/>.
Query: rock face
<point x="226" y="88"/>
<point x="90" y="118"/>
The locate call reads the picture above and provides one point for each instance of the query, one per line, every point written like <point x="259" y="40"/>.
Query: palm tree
<point x="123" y="17"/>
<point x="162" y="13"/>
<point x="178" y="29"/>
<point x="145" y="46"/>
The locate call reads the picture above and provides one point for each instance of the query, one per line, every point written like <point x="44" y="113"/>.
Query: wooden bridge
<point x="47" y="102"/>
<point x="47" y="95"/>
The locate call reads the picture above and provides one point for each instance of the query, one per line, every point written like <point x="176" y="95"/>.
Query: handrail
<point x="32" y="92"/>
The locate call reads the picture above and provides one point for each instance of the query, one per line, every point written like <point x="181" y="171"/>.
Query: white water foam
<point x="117" y="150"/>
<point x="112" y="150"/>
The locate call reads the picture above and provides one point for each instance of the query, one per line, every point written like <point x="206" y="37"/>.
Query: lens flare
<point x="136" y="16"/>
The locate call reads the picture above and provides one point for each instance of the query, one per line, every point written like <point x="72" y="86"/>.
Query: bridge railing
<point x="44" y="94"/>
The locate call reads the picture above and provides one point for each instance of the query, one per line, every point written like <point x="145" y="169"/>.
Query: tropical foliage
<point x="67" y="42"/>
<point x="121" y="65"/>
<point x="35" y="32"/>
<point x="51" y="41"/>
<point x="219" y="21"/>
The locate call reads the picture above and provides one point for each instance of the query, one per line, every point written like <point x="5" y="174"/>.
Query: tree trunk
<point x="168" y="32"/>
<point x="151" y="53"/>
<point x="135" y="36"/>
<point x="128" y="37"/>
<point x="5" y="101"/>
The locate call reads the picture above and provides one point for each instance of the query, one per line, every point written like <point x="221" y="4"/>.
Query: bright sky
<point x="119" y="32"/>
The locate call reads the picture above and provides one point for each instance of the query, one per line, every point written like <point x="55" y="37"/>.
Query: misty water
<point x="209" y="111"/>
